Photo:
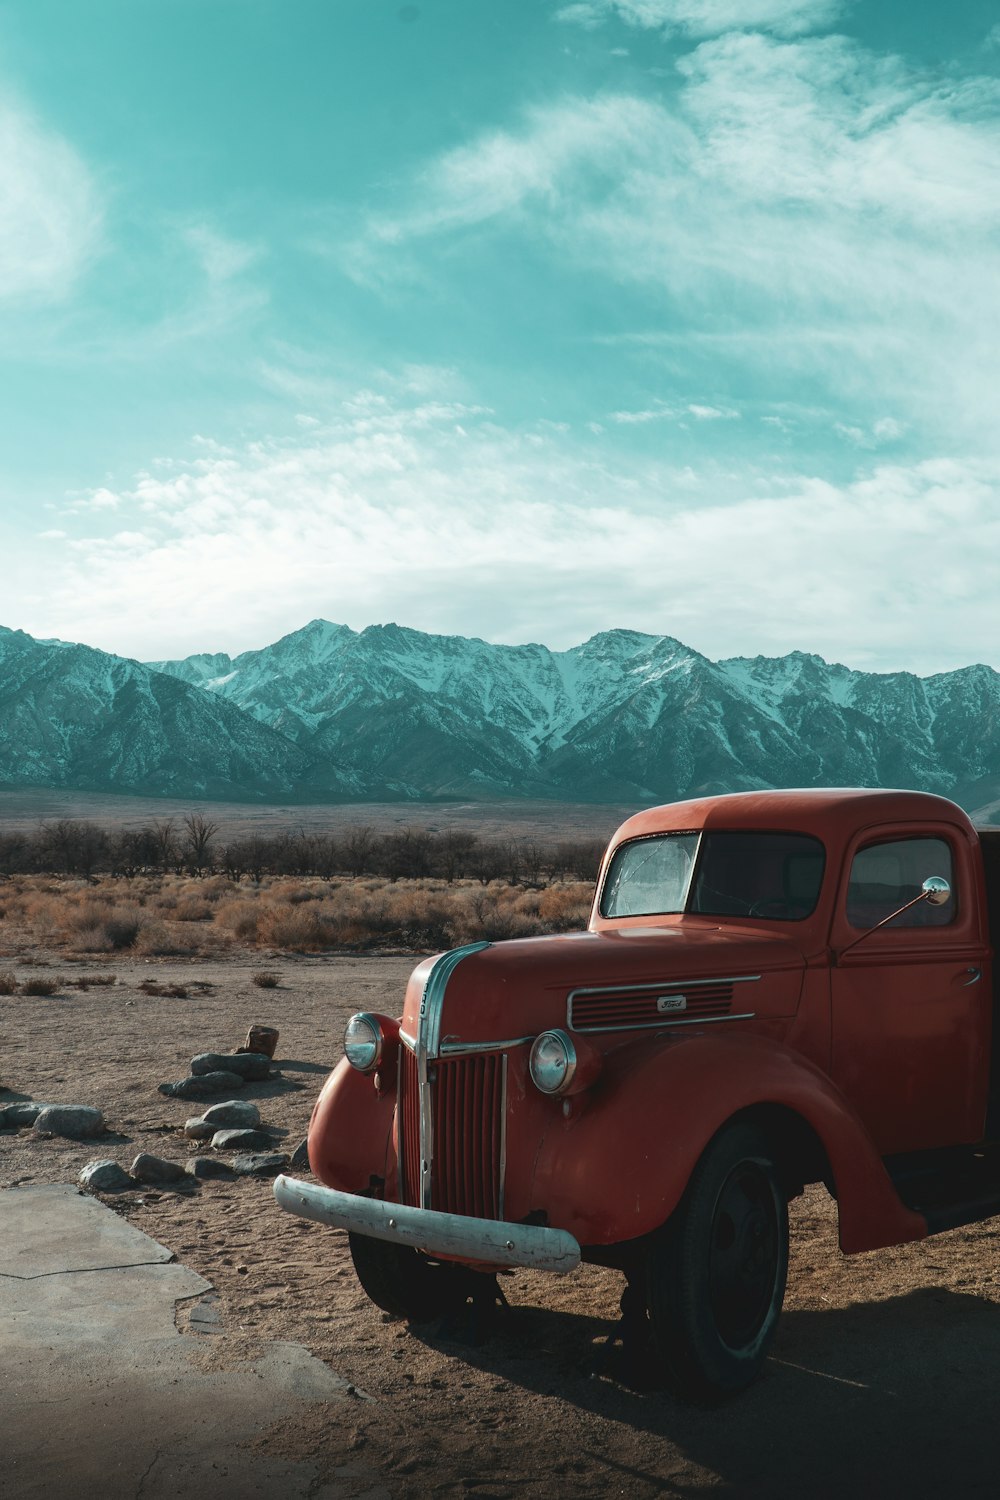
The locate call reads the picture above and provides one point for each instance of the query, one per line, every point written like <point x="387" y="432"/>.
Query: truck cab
<point x="774" y="989"/>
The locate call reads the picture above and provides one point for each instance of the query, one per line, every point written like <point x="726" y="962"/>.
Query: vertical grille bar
<point x="409" y="1127"/>
<point x="468" y="1097"/>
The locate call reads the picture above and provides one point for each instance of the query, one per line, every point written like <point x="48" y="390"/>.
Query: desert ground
<point x="26" y="807"/>
<point x="882" y="1381"/>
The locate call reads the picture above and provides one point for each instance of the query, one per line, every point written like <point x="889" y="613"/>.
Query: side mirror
<point x="935" y="891"/>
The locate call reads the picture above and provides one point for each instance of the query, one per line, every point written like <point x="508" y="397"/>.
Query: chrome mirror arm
<point x="935" y="891"/>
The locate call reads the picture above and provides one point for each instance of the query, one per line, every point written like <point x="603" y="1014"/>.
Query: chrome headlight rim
<point x="364" y="1052"/>
<point x="553" y="1084"/>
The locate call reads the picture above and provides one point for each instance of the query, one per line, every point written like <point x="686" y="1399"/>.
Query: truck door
<point x="911" y="1008"/>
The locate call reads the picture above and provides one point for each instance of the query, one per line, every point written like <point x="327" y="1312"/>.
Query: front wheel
<point x="405" y="1283"/>
<point x="716" y="1271"/>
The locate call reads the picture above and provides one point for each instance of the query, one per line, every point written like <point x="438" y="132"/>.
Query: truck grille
<point x="648" y="1006"/>
<point x="468" y="1111"/>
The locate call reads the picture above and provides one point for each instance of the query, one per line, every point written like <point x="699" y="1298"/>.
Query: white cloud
<point x="814" y="210"/>
<point x="713" y="413"/>
<point x="393" y="513"/>
<point x="502" y="172"/>
<point x="701" y="18"/>
<point x="50" y="210"/>
<point x="221" y="257"/>
<point x="644" y="415"/>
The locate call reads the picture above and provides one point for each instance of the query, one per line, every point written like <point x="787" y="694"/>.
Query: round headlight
<point x="363" y="1042"/>
<point x="552" y="1062"/>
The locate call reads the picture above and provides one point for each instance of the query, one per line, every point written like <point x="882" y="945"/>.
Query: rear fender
<point x="618" y="1168"/>
<point x="350" y="1130"/>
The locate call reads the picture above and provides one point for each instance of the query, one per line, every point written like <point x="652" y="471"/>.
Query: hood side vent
<point x="625" y="1008"/>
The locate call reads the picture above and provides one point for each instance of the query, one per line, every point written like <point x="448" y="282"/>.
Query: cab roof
<point x="829" y="813"/>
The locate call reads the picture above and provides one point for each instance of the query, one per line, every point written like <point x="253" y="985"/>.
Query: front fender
<point x="350" y="1130"/>
<point x="619" y="1167"/>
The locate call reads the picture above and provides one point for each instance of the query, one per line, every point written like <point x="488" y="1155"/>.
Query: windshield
<point x="772" y="875"/>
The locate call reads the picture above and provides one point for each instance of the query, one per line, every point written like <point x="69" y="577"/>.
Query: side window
<point x="885" y="876"/>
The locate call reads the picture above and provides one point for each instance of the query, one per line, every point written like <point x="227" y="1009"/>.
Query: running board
<point x="949" y="1188"/>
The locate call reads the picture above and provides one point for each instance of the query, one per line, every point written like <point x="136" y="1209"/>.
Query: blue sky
<point x="522" y="320"/>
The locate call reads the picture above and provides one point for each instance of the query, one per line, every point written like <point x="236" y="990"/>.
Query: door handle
<point x="974" y="976"/>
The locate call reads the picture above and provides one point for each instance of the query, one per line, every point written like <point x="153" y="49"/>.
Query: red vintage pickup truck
<point x="775" y="989"/>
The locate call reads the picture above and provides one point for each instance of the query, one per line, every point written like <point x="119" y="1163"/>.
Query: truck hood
<point x="518" y="988"/>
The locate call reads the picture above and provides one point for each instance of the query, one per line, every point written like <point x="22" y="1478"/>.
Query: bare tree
<point x="165" y="841"/>
<point x="358" y="849"/>
<point x="199" y="832"/>
<point x="453" y="853"/>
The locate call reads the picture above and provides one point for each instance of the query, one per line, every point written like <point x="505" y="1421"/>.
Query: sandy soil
<point x="883" y="1379"/>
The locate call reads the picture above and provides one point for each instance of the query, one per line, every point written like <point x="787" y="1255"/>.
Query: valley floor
<point x="882" y="1379"/>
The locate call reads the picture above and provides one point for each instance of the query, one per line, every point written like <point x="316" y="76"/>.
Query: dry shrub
<point x="294" y="927"/>
<point x="8" y="984"/>
<point x="123" y="929"/>
<point x="264" y="979"/>
<point x="176" y="915"/>
<point x="566" y="908"/>
<point x="190" y="909"/>
<point x="296" y="894"/>
<point x="41" y="986"/>
<point x="86" y="981"/>
<point x="157" y="941"/>
<point x="94" y="940"/>
<point x="99" y="923"/>
<point x="154" y="987"/>
<point x="492" y="922"/>
<point x="239" y="917"/>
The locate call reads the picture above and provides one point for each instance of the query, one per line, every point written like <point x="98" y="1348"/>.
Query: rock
<point x="236" y="1112"/>
<point x="251" y="1066"/>
<point x="105" y="1177"/>
<point x="149" y="1168"/>
<point x="300" y="1156"/>
<point x="202" y="1086"/>
<point x="75" y="1121"/>
<point x="260" y="1164"/>
<point x="198" y="1129"/>
<point x="241" y="1140"/>
<point x="207" y="1166"/>
<point x="16" y="1116"/>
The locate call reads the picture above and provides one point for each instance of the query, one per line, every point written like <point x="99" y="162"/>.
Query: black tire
<point x="716" y="1271"/>
<point x="405" y="1283"/>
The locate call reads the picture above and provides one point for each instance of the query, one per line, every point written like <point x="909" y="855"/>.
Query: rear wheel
<point x="405" y="1283"/>
<point x="716" y="1273"/>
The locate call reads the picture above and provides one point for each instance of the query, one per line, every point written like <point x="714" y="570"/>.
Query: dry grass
<point x="41" y="987"/>
<point x="171" y="915"/>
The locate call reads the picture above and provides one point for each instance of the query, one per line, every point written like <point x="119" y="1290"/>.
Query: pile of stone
<point x="234" y="1125"/>
<point x="74" y="1122"/>
<point x="219" y="1073"/>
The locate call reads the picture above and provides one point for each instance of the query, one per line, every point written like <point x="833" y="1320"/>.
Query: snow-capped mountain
<point x="328" y="713"/>
<point x="624" y="716"/>
<point x="71" y="716"/>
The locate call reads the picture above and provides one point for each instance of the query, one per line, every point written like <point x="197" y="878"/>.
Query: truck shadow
<point x="888" y="1398"/>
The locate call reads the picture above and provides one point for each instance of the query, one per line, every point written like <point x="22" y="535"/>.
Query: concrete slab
<point x="101" y="1396"/>
<point x="58" y="1228"/>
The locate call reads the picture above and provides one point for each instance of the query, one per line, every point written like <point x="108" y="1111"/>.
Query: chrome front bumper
<point x="487" y="1240"/>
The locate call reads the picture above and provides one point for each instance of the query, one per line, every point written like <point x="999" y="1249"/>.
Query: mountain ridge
<point x="388" y="712"/>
